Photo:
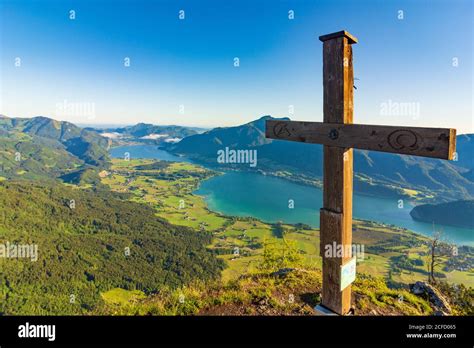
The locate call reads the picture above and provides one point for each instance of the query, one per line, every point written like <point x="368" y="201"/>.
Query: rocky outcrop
<point x="437" y="300"/>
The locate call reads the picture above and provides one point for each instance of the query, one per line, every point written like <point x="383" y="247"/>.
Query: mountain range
<point x="148" y="133"/>
<point x="375" y="172"/>
<point x="41" y="147"/>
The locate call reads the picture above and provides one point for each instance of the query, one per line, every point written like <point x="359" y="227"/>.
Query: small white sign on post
<point x="348" y="273"/>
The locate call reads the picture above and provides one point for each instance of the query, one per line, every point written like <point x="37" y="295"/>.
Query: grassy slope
<point x="260" y="293"/>
<point x="163" y="190"/>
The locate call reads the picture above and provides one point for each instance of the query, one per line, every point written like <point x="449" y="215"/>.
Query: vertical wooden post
<point x="336" y="214"/>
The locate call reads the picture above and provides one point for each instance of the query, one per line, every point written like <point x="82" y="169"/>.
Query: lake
<point x="145" y="151"/>
<point x="267" y="198"/>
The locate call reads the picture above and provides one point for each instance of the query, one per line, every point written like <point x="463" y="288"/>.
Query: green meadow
<point x="397" y="255"/>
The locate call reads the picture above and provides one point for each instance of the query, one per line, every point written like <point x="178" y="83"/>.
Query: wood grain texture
<point x="348" y="83"/>
<point x="336" y="215"/>
<point x="415" y="141"/>
<point x="332" y="297"/>
<point x="333" y="223"/>
<point x="337" y="179"/>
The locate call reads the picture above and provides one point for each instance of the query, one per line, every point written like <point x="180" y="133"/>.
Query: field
<point x="393" y="253"/>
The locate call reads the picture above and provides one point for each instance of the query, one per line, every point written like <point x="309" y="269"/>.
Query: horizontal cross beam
<point x="415" y="141"/>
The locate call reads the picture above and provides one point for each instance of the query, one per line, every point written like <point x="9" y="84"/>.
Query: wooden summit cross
<point x="339" y="136"/>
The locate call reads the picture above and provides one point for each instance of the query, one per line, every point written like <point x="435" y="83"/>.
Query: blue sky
<point x="182" y="71"/>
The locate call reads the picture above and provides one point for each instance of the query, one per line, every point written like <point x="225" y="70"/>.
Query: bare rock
<point x="440" y="304"/>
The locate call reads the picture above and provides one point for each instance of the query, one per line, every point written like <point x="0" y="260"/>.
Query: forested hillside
<point x="40" y="147"/>
<point x="88" y="243"/>
<point x="457" y="213"/>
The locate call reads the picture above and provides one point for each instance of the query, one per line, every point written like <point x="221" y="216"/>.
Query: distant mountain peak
<point x="452" y="179"/>
<point x="86" y="145"/>
<point x="270" y="117"/>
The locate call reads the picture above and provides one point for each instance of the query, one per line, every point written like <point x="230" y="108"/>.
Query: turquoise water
<point x="267" y="198"/>
<point x="145" y="151"/>
<point x="264" y="197"/>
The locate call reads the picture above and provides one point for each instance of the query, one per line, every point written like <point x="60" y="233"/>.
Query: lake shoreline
<point x="153" y="152"/>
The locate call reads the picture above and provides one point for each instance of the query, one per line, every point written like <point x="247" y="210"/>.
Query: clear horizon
<point x="118" y="125"/>
<point x="182" y="71"/>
